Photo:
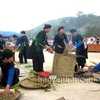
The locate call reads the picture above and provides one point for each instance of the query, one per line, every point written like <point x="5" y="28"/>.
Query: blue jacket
<point x="96" y="68"/>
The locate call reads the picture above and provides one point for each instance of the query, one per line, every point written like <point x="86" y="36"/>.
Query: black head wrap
<point x="23" y="32"/>
<point x="73" y="30"/>
<point x="14" y="36"/>
<point x="47" y="26"/>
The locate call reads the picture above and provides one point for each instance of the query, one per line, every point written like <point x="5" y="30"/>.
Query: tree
<point x="65" y="24"/>
<point x="80" y="13"/>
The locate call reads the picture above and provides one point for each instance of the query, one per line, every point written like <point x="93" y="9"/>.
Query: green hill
<point x="85" y="24"/>
<point x="92" y="28"/>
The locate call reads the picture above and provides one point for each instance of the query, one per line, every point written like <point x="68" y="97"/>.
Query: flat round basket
<point x="17" y="94"/>
<point x="14" y="96"/>
<point x="30" y="84"/>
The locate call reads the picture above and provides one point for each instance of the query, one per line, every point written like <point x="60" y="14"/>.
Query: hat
<point x="47" y="26"/>
<point x="14" y="36"/>
<point x="23" y="32"/>
<point x="73" y="30"/>
<point x="61" y="27"/>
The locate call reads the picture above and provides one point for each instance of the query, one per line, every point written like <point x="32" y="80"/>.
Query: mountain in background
<point x="86" y="24"/>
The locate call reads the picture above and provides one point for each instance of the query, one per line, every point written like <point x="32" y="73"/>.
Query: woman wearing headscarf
<point x="36" y="50"/>
<point x="78" y="45"/>
<point x="24" y="47"/>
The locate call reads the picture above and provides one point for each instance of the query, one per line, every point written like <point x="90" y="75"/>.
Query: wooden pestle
<point x="11" y="90"/>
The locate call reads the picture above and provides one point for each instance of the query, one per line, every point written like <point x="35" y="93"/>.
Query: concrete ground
<point x="70" y="91"/>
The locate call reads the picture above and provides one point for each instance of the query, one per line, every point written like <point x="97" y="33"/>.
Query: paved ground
<point x="70" y="91"/>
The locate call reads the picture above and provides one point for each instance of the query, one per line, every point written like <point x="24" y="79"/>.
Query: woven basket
<point x="63" y="65"/>
<point x="29" y="84"/>
<point x="11" y="96"/>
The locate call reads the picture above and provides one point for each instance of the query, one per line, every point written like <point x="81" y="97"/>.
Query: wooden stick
<point x="42" y="45"/>
<point x="93" y="63"/>
<point x="79" y="56"/>
<point x="11" y="90"/>
<point x="45" y="47"/>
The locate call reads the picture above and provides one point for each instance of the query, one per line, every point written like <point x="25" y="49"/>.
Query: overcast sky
<point x="17" y="15"/>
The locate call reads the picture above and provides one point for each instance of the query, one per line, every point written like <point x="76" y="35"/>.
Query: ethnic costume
<point x="80" y="50"/>
<point x="36" y="51"/>
<point x="62" y="64"/>
<point x="10" y="74"/>
<point x="24" y="48"/>
<point x="60" y="40"/>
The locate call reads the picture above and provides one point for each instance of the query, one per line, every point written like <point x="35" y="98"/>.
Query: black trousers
<point x="38" y="67"/>
<point x="38" y="60"/>
<point x="81" y="61"/>
<point x="76" y="67"/>
<point x="86" y="53"/>
<point x="23" y="55"/>
<point x="15" y="79"/>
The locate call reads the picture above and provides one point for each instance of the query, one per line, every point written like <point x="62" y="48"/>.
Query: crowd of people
<point x="89" y="40"/>
<point x="93" y="40"/>
<point x="35" y="52"/>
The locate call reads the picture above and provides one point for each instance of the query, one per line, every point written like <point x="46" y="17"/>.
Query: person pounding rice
<point x="36" y="49"/>
<point x="10" y="74"/>
<point x="60" y="41"/>
<point x="78" y="46"/>
<point x="63" y="62"/>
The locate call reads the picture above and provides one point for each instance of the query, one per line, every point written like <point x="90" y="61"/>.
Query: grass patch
<point x="28" y="66"/>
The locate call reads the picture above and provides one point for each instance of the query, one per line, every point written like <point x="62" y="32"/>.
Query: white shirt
<point x="30" y="42"/>
<point x="85" y="45"/>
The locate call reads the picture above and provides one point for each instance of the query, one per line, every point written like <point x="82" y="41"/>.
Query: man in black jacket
<point x="9" y="72"/>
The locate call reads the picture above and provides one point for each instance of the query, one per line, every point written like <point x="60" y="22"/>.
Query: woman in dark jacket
<point x="24" y="47"/>
<point x="78" y="45"/>
<point x="36" y="50"/>
<point x="60" y="41"/>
